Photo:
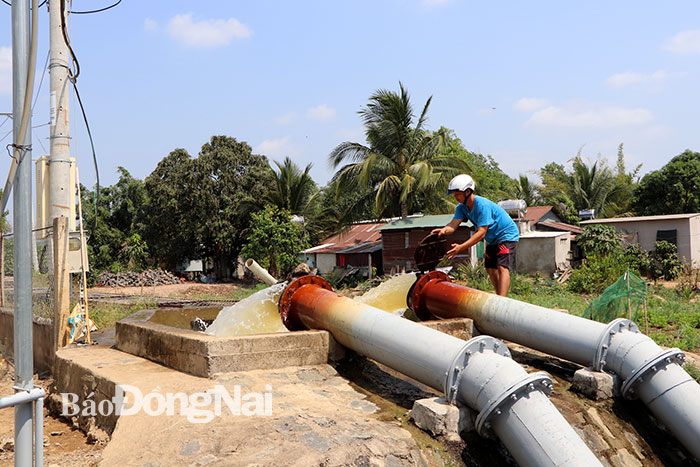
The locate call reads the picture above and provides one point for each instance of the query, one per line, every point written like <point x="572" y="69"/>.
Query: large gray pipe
<point x="479" y="373"/>
<point x="648" y="372"/>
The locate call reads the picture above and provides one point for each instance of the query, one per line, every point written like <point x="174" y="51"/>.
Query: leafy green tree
<point x="401" y="159"/>
<point x="673" y="189"/>
<point x="134" y="253"/>
<point x="171" y="212"/>
<point x="621" y="196"/>
<point x="554" y="191"/>
<point x="599" y="239"/>
<point x="227" y="181"/>
<point x="274" y="241"/>
<point x="292" y="189"/>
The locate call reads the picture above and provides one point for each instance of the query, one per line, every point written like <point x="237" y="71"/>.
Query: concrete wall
<point x="688" y="234"/>
<point x="542" y="251"/>
<point x="325" y="262"/>
<point x="42" y="335"/>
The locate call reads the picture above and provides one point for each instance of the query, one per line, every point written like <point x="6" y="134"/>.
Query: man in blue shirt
<point x="492" y="223"/>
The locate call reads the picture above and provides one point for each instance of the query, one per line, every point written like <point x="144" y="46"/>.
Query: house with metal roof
<point x="359" y="247"/>
<point x="683" y="230"/>
<point x="401" y="237"/>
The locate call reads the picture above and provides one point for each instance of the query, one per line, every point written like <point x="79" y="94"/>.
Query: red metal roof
<point x="359" y="234"/>
<point x="562" y="226"/>
<point x="535" y="213"/>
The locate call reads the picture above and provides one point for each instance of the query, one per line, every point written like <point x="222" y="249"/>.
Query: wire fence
<point x="42" y="272"/>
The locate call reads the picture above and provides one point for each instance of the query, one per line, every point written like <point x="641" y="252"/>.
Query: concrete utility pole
<point x="21" y="214"/>
<point x="60" y="193"/>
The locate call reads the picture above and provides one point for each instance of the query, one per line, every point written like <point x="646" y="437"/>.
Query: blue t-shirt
<point x="501" y="227"/>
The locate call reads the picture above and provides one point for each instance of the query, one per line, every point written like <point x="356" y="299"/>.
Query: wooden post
<point x="61" y="281"/>
<point x="2" y="269"/>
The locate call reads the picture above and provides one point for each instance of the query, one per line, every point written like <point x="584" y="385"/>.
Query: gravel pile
<point x="135" y="279"/>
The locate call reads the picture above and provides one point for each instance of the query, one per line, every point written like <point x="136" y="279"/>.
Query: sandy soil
<point x="63" y="445"/>
<point x="184" y="290"/>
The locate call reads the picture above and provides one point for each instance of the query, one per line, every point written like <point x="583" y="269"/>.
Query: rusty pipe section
<point x="478" y="373"/>
<point x="649" y="373"/>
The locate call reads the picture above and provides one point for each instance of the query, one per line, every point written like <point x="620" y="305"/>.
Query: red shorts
<point x="500" y="254"/>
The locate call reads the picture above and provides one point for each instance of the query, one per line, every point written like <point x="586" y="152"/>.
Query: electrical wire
<point x="73" y="76"/>
<point x="95" y="11"/>
<point x="41" y="81"/>
<point x="94" y="156"/>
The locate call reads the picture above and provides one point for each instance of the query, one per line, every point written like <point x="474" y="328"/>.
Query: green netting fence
<point x="624" y="299"/>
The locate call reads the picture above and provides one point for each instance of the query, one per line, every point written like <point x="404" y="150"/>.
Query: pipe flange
<point x="473" y="346"/>
<point x="413" y="299"/>
<point x="539" y="381"/>
<point x="285" y="303"/>
<point x="606" y="337"/>
<point x="657" y="363"/>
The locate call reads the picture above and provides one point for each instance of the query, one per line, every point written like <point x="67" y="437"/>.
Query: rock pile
<point x="135" y="279"/>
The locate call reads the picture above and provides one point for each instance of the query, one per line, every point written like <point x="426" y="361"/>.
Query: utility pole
<point x="21" y="214"/>
<point x="61" y="196"/>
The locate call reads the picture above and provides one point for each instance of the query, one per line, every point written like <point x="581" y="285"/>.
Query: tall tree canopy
<point x="292" y="188"/>
<point x="401" y="162"/>
<point x="673" y="189"/>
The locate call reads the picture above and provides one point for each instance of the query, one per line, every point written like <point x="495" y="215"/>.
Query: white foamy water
<point x="390" y="295"/>
<point x="256" y="314"/>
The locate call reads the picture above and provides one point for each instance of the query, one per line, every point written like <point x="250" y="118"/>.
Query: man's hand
<point x="439" y="232"/>
<point x="456" y="249"/>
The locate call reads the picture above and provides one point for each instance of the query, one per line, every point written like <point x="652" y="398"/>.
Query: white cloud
<point x="530" y="104"/>
<point x="685" y="42"/>
<point x="5" y="70"/>
<point x="277" y="148"/>
<point x="206" y="33"/>
<point x="579" y="116"/>
<point x="320" y="112"/>
<point x="150" y="25"/>
<point x="286" y="119"/>
<point x="352" y="134"/>
<point x="628" y="78"/>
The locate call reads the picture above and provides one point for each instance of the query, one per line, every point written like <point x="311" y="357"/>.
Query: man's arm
<point x="458" y="248"/>
<point x="449" y="229"/>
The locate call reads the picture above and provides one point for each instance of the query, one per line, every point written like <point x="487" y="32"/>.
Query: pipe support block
<point x="476" y="345"/>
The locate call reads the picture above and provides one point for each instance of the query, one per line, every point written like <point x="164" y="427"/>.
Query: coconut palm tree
<point x="292" y="189"/>
<point x="526" y="190"/>
<point x="400" y="161"/>
<point x="591" y="185"/>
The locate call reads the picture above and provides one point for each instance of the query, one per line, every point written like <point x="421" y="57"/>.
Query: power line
<point x="72" y="76"/>
<point x="42" y="80"/>
<point x="95" y="11"/>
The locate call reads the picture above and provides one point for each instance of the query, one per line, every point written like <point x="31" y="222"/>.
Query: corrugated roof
<point x="562" y="226"/>
<point x="423" y="222"/>
<point x="535" y="213"/>
<point x="367" y="247"/>
<point x="641" y="218"/>
<point x="357" y="235"/>
<point x="539" y="234"/>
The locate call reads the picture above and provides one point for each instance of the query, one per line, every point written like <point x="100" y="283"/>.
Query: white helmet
<point x="461" y="182"/>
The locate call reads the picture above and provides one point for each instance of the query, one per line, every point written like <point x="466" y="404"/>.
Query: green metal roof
<point x="423" y="222"/>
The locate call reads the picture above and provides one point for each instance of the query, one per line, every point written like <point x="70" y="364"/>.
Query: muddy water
<point x="182" y="317"/>
<point x="256" y="314"/>
<point x="390" y="295"/>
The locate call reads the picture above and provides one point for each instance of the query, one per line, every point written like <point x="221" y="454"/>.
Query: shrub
<point x="665" y="261"/>
<point x="599" y="272"/>
<point x="599" y="239"/>
<point x="476" y="277"/>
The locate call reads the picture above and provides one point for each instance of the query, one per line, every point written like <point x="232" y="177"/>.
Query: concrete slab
<point x="302" y="426"/>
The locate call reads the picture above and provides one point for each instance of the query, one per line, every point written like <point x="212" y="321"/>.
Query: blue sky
<point x="527" y="82"/>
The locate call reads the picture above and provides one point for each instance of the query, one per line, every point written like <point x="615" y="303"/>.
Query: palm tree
<point x="400" y="161"/>
<point x="293" y="189"/>
<point x="526" y="190"/>
<point x="591" y="185"/>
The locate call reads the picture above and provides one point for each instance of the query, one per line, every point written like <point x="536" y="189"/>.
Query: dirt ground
<point x="63" y="445"/>
<point x="184" y="290"/>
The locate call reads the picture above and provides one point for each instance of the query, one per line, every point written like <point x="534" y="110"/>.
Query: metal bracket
<point x="613" y="327"/>
<point x="539" y="381"/>
<point x="473" y="346"/>
<point x="668" y="357"/>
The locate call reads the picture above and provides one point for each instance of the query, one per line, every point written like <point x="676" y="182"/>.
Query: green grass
<point x="236" y="294"/>
<point x="105" y="315"/>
